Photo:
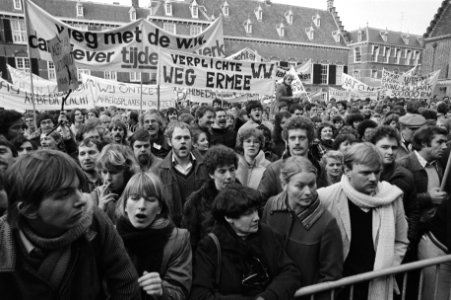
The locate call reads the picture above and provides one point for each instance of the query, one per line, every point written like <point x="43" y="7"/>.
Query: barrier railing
<point x="333" y="286"/>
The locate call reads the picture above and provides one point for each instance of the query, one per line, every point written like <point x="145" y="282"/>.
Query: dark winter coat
<point x="266" y="245"/>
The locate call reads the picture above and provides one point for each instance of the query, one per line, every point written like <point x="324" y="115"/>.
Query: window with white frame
<point x="195" y="29"/>
<point x="310" y="32"/>
<point x="170" y="27"/>
<point x="387" y="54"/>
<point x="281" y="30"/>
<point x="168" y="8"/>
<point x="132" y="14"/>
<point x="375" y="52"/>
<point x="225" y="9"/>
<point x="289" y="17"/>
<point x="417" y="57"/>
<point x="23" y="64"/>
<point x="51" y="74"/>
<point x="83" y="71"/>
<point x="324" y="74"/>
<point x="80" y="26"/>
<point x="248" y="26"/>
<point x="110" y="75"/>
<point x="357" y="54"/>
<point x="135" y="76"/>
<point x="259" y="13"/>
<point x="79" y="7"/>
<point x="17" y="4"/>
<point x="18" y="31"/>
<point x="194" y="10"/>
<point x="317" y="20"/>
<point x="339" y="74"/>
<point x="408" y="57"/>
<point x="398" y="56"/>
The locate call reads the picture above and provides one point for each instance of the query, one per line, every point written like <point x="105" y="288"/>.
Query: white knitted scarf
<point x="383" y="230"/>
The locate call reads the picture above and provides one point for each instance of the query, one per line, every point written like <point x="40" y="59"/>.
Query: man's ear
<point x="228" y="220"/>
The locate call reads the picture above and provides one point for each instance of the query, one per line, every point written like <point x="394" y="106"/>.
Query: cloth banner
<point x="21" y="79"/>
<point x="413" y="87"/>
<point x="180" y="69"/>
<point x="338" y="95"/>
<point x="207" y="96"/>
<point x="127" y="96"/>
<point x="304" y="72"/>
<point x="14" y="97"/>
<point x="246" y="54"/>
<point x="350" y="83"/>
<point x="132" y="47"/>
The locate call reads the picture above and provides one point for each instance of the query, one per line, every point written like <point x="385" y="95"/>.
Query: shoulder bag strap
<point x="219" y="257"/>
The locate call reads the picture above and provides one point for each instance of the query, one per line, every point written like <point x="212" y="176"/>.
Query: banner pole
<point x="141" y="94"/>
<point x="158" y="97"/>
<point x="25" y="9"/>
<point x="158" y="78"/>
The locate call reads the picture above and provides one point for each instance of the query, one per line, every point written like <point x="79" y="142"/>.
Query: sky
<point x="411" y="16"/>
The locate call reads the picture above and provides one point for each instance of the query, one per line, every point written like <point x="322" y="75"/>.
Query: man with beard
<point x="221" y="134"/>
<point x="153" y="123"/>
<point x="371" y="219"/>
<point x="429" y="143"/>
<point x="88" y="151"/>
<point x="299" y="134"/>
<point x="140" y="143"/>
<point x="118" y="132"/>
<point x="182" y="172"/>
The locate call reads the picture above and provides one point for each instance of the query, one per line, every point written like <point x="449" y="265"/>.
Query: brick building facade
<point x="372" y="50"/>
<point x="437" y="48"/>
<point x="286" y="34"/>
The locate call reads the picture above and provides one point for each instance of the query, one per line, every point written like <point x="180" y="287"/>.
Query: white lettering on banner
<point x="406" y="86"/>
<point x="188" y="70"/>
<point x="350" y="83"/>
<point x="134" y="46"/>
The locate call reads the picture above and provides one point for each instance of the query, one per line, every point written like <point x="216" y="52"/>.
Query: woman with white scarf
<point x="370" y="215"/>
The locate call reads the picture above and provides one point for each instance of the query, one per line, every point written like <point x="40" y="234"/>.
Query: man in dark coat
<point x="54" y="243"/>
<point x="182" y="171"/>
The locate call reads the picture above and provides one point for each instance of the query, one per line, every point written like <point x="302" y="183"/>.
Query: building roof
<point x="375" y="35"/>
<point x="441" y="23"/>
<point x="239" y="11"/>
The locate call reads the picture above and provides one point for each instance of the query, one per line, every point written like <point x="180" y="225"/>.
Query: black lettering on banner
<point x="261" y="68"/>
<point x="178" y="76"/>
<point x="87" y="36"/>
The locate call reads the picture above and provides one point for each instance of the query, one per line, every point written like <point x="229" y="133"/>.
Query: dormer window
<point x="317" y="20"/>
<point x="281" y="30"/>
<point x="309" y="31"/>
<point x="225" y="9"/>
<point x="17" y="4"/>
<point x="289" y="17"/>
<point x="336" y="35"/>
<point x="248" y="26"/>
<point x="259" y="13"/>
<point x="168" y="8"/>
<point x="359" y="35"/>
<point x="132" y="13"/>
<point x="384" y="35"/>
<point x="405" y="38"/>
<point x="79" y="8"/>
<point x="194" y="10"/>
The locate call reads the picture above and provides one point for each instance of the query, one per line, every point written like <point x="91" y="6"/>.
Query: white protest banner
<point x="180" y="69"/>
<point x="13" y="97"/>
<point x="127" y="96"/>
<point x="246" y="54"/>
<point x="304" y="72"/>
<point x="66" y="72"/>
<point x="207" y="96"/>
<point x="296" y="85"/>
<point x="413" y="87"/>
<point x="134" y="46"/>
<point x="350" y="83"/>
<point x="338" y="95"/>
<point x="21" y="79"/>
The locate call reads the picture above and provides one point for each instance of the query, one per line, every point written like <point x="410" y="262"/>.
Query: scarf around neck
<point x="307" y="215"/>
<point x="384" y="228"/>
<point x="145" y="246"/>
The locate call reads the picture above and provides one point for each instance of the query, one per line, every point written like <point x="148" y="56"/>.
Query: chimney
<point x="330" y="5"/>
<point x="135" y="3"/>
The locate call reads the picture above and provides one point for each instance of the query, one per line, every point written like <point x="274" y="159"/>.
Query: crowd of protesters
<point x="228" y="201"/>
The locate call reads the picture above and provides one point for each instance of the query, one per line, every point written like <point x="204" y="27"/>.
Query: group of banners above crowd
<point x="189" y="68"/>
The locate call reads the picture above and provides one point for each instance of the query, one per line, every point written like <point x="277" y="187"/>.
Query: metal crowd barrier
<point x="332" y="287"/>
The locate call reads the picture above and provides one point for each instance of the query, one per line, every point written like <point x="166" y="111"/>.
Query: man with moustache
<point x="204" y="118"/>
<point x="140" y="143"/>
<point x="371" y="219"/>
<point x="182" y="171"/>
<point x="429" y="144"/>
<point x="221" y="133"/>
<point x="409" y="124"/>
<point x="118" y="132"/>
<point x="88" y="151"/>
<point x="153" y="123"/>
<point x="299" y="134"/>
